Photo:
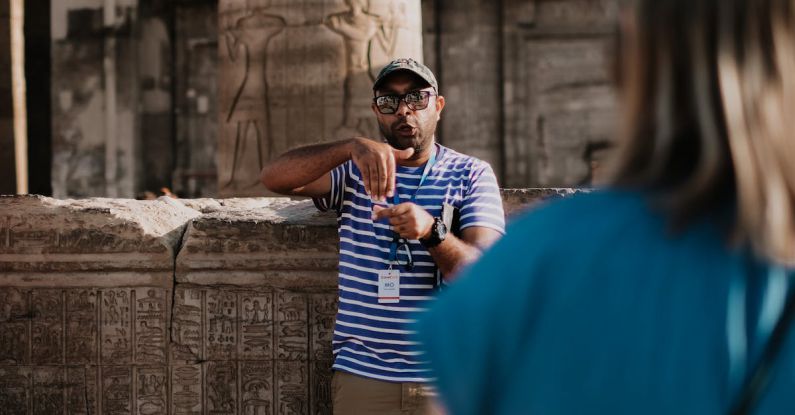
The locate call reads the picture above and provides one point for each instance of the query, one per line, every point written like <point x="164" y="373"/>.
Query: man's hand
<point x="376" y="161"/>
<point x="407" y="219"/>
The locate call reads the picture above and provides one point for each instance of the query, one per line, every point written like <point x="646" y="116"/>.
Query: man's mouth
<point x="405" y="129"/>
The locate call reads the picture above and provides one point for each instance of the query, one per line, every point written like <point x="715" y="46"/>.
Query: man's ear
<point x="439" y="106"/>
<point x="375" y="109"/>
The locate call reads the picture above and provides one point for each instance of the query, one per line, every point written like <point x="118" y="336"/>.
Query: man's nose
<point x="403" y="108"/>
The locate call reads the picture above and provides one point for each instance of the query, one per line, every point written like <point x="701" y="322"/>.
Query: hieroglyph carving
<point x="151" y="391"/>
<point x="14" y="317"/>
<point x="291" y="326"/>
<point x="294" y="74"/>
<point x="221" y="329"/>
<point x="81" y="326"/>
<point x="221" y="386"/>
<point x="150" y="326"/>
<point x="117" y="389"/>
<point x="247" y="43"/>
<point x="256" y="326"/>
<point x="116" y="328"/>
<point x="186" y="390"/>
<point x="359" y="29"/>
<point x="186" y="326"/>
<point x="47" y="314"/>
<point x="257" y="388"/>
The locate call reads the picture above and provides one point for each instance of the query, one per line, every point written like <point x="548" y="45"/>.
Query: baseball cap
<point x="406" y="64"/>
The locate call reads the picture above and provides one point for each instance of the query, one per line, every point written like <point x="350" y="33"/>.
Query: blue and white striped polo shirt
<point x="372" y="339"/>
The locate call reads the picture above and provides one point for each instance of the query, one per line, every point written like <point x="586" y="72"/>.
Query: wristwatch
<point x="437" y="235"/>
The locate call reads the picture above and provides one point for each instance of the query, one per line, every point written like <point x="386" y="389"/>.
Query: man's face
<point x="406" y="127"/>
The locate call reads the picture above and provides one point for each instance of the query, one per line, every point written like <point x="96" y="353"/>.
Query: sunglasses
<point x="415" y="100"/>
<point x="403" y="247"/>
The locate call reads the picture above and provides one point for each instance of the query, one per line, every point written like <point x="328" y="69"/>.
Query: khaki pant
<point x="358" y="395"/>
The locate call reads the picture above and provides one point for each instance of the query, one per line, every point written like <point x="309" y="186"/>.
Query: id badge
<point x="388" y="286"/>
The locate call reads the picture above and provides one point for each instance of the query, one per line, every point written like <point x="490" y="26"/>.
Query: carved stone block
<point x="186" y="326"/>
<point x="324" y="312"/>
<point x="85" y="239"/>
<point x="14" y="335"/>
<point x="48" y="390"/>
<point x="117" y="389"/>
<point x="221" y="386"/>
<point x="292" y="387"/>
<point x="280" y="243"/>
<point x="47" y="326"/>
<point x="221" y="325"/>
<point x="256" y="388"/>
<point x="151" y="389"/>
<point x="15" y="390"/>
<point x="81" y="390"/>
<point x="186" y="389"/>
<point x="81" y="326"/>
<point x="256" y="326"/>
<point x="320" y="387"/>
<point x="150" y="325"/>
<point x="116" y="328"/>
<point x="292" y="331"/>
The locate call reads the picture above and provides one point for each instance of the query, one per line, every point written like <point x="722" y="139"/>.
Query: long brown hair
<point x="708" y="90"/>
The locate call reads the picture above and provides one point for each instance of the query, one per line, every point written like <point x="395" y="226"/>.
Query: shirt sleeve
<point x="334" y="199"/>
<point x="482" y="204"/>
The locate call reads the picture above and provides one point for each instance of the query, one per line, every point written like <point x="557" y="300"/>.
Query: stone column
<point x="293" y="74"/>
<point x="7" y="165"/>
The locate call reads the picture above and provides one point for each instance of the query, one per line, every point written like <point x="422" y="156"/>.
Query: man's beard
<point x="419" y="142"/>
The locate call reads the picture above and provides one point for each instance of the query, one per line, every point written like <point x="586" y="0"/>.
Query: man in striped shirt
<point x="394" y="201"/>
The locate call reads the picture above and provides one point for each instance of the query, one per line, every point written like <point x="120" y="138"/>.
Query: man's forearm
<point x="303" y="165"/>
<point x="453" y="254"/>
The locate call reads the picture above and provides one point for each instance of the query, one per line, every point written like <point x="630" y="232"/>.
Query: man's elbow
<point x="270" y="180"/>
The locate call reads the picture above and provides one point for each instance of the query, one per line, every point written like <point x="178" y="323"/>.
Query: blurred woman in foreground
<point x="669" y="292"/>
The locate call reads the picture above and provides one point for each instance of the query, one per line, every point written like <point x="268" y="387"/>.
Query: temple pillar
<point x="294" y="74"/>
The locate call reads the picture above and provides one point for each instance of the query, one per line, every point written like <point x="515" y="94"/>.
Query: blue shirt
<point x="372" y="339"/>
<point x="591" y="305"/>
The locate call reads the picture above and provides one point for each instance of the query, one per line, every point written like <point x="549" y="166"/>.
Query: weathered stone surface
<point x="277" y="242"/>
<point x="470" y="78"/>
<point x="195" y="46"/>
<point x="293" y="74"/>
<point x="89" y="243"/>
<point x="516" y="201"/>
<point x="558" y="96"/>
<point x="248" y="331"/>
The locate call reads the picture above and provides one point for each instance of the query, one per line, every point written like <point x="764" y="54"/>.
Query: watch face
<point x="441" y="229"/>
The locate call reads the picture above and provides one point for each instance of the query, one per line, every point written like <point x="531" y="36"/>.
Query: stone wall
<point x="170" y="306"/>
<point x="526" y="82"/>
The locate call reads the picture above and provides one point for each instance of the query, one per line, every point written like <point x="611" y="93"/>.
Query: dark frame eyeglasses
<point x="415" y="100"/>
<point x="403" y="245"/>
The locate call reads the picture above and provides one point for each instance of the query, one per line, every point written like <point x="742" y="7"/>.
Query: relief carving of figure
<point x="256" y="313"/>
<point x="358" y="28"/>
<point x="247" y="41"/>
